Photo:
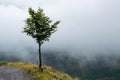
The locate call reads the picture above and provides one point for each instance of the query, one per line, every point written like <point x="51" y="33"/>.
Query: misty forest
<point x="61" y="40"/>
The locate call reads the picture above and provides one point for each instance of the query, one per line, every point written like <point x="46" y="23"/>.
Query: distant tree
<point x="39" y="27"/>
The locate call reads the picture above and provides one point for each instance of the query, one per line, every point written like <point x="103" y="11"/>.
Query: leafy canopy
<point x="39" y="26"/>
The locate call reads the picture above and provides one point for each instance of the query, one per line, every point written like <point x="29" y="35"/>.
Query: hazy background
<point x="88" y="27"/>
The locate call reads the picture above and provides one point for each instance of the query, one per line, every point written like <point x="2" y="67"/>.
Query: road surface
<point x="12" y="73"/>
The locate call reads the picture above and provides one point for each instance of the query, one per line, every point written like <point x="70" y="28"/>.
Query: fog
<point x="88" y="27"/>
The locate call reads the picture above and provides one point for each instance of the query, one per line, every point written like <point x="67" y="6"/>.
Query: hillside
<point x="103" y="67"/>
<point x="32" y="70"/>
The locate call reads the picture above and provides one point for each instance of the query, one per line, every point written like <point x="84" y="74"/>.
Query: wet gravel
<point x="12" y="73"/>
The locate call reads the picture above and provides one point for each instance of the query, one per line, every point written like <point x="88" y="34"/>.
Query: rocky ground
<point x="12" y="73"/>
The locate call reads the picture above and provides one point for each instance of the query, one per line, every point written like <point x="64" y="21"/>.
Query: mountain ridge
<point x="48" y="73"/>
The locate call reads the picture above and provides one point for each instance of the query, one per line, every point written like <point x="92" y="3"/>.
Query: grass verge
<point x="32" y="70"/>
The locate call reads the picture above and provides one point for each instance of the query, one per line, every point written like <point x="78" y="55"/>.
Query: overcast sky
<point x="87" y="26"/>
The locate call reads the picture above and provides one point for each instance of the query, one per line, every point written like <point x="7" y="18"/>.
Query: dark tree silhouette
<point x="39" y="27"/>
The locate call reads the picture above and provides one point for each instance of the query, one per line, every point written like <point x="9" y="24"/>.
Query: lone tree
<point x="39" y="27"/>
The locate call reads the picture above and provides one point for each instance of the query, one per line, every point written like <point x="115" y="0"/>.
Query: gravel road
<point x="12" y="73"/>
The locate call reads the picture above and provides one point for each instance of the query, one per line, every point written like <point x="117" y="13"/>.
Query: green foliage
<point x="39" y="26"/>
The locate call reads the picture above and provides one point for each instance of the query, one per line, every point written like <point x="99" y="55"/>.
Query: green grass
<point x="32" y="70"/>
<point x="3" y="63"/>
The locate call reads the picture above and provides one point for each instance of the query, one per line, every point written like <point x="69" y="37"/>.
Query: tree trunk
<point x="40" y="60"/>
